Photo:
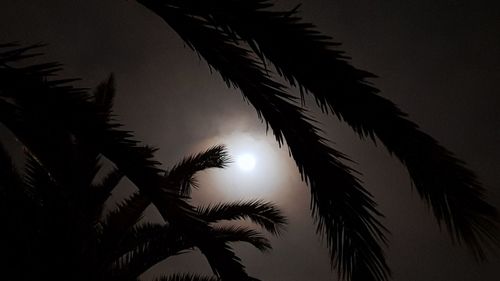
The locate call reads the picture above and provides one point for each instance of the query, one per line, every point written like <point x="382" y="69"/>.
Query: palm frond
<point x="192" y="277"/>
<point x="125" y="215"/>
<point x="343" y="209"/>
<point x="242" y="234"/>
<point x="306" y="57"/>
<point x="181" y="176"/>
<point x="186" y="277"/>
<point x="104" y="96"/>
<point x="9" y="175"/>
<point x="13" y="52"/>
<point x="38" y="179"/>
<point x="222" y="259"/>
<point x="262" y="213"/>
<point x="165" y="242"/>
<point x="141" y="234"/>
<point x="19" y="216"/>
<point x="15" y="198"/>
<point x="152" y="244"/>
<point x="51" y="110"/>
<point x="220" y="256"/>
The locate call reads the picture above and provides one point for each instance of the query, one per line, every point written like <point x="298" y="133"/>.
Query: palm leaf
<point x="12" y="52"/>
<point x="182" y="174"/>
<point x="136" y="260"/>
<point x="221" y="257"/>
<point x="186" y="277"/>
<point x="19" y="214"/>
<point x="242" y="234"/>
<point x="139" y="235"/>
<point x="9" y="176"/>
<point x="104" y="96"/>
<point x="124" y="216"/>
<point x="262" y="213"/>
<point x="153" y="243"/>
<point x="103" y="189"/>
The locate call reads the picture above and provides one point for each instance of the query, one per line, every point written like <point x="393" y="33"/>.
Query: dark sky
<point x="438" y="60"/>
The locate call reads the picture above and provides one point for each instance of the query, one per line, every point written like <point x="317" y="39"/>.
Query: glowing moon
<point x="258" y="169"/>
<point x="246" y="162"/>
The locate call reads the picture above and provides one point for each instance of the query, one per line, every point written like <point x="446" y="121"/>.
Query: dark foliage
<point x="237" y="38"/>
<point x="57" y="226"/>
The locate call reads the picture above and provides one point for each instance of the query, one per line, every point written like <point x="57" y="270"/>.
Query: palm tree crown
<point x="70" y="234"/>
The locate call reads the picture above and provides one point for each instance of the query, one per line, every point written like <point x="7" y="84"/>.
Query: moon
<point x="246" y="161"/>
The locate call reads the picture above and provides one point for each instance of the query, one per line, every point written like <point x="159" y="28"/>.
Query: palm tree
<point x="115" y="246"/>
<point x="240" y="38"/>
<point x="69" y="234"/>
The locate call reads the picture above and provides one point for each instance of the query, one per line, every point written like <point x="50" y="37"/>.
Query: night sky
<point x="438" y="60"/>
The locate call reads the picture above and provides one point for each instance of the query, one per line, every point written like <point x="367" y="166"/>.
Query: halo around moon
<point x="246" y="161"/>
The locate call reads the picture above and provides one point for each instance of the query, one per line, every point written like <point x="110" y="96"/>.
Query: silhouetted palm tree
<point x="238" y="38"/>
<point x="54" y="213"/>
